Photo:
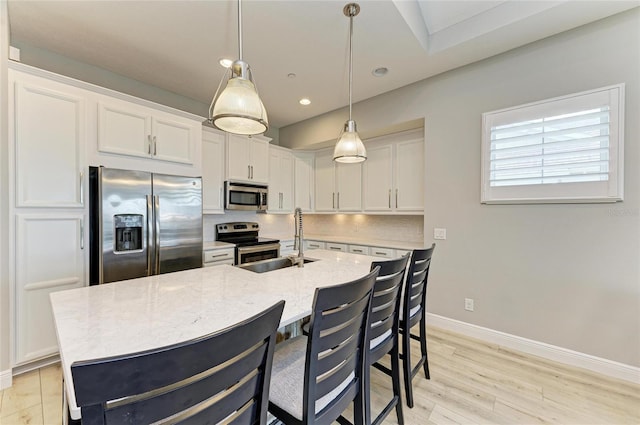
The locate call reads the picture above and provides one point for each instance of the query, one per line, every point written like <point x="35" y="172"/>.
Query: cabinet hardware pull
<point x="396" y="198"/>
<point x="389" y="198"/>
<point x="335" y="248"/>
<point x="249" y="172"/>
<point x="81" y="187"/>
<point x="333" y="196"/>
<point x="252" y="172"/>
<point x="81" y="233"/>
<point x="338" y="200"/>
<point x="381" y="253"/>
<point x="149" y="140"/>
<point x="155" y="146"/>
<point x="219" y="255"/>
<point x="221" y="200"/>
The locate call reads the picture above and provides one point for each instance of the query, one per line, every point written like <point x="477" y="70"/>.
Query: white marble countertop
<point x="150" y="312"/>
<point x="207" y="246"/>
<point x="351" y="240"/>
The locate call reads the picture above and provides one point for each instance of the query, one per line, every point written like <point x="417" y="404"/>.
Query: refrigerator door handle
<point x="156" y="232"/>
<point x="150" y="236"/>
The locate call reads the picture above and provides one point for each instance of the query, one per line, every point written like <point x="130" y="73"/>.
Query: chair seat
<point x="287" y="378"/>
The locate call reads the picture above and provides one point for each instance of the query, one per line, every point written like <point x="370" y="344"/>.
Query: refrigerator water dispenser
<point x="128" y="229"/>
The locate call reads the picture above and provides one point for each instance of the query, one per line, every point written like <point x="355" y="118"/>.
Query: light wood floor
<point x="471" y="382"/>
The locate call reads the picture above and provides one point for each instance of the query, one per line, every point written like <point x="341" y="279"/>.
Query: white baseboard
<point x="540" y="349"/>
<point x="5" y="379"/>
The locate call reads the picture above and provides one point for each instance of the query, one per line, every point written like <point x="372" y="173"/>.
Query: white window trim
<point x="591" y="192"/>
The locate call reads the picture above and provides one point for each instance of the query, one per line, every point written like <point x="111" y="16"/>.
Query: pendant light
<point x="238" y="109"/>
<point x="350" y="148"/>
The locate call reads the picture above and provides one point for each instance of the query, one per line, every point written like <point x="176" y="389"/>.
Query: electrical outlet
<point x="468" y="304"/>
<point x="439" y="234"/>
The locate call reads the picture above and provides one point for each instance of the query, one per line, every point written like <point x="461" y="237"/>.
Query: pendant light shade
<point x="238" y="108"/>
<point x="349" y="148"/>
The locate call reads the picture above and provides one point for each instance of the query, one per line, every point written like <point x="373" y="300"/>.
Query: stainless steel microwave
<point x="244" y="196"/>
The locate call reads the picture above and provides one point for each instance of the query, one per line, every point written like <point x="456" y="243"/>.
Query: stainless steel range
<point x="249" y="247"/>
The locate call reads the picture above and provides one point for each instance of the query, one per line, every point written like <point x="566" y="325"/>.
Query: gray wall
<point x="4" y="213"/>
<point x="567" y="275"/>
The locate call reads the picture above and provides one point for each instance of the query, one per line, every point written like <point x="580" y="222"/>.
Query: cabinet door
<point x="238" y="167"/>
<point x="409" y="192"/>
<point x="286" y="181"/>
<point x="274" y="199"/>
<point x="49" y="136"/>
<point x="173" y="139"/>
<point x="303" y="181"/>
<point x="212" y="172"/>
<point x="325" y="182"/>
<point x="49" y="257"/>
<point x="259" y="160"/>
<point x="349" y="183"/>
<point x="378" y="178"/>
<point x="124" y="129"/>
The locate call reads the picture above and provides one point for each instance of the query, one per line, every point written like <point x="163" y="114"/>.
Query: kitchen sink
<point x="272" y="264"/>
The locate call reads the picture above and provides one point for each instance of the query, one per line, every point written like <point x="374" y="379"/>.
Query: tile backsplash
<point x="384" y="227"/>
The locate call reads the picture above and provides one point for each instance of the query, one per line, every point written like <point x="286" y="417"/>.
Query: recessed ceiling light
<point x="291" y="75"/>
<point x="380" y="72"/>
<point x="226" y="62"/>
<point x="304" y="101"/>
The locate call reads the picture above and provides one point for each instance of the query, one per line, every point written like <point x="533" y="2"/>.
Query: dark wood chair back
<point x="222" y="375"/>
<point x="385" y="306"/>
<point x="336" y="349"/>
<point x="415" y="292"/>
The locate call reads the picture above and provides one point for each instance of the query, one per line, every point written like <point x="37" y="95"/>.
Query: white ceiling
<point x="176" y="45"/>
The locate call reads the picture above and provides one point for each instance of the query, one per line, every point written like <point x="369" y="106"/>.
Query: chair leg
<point x="366" y="394"/>
<point x="406" y="365"/>
<point x="395" y="379"/>
<point x="423" y="346"/>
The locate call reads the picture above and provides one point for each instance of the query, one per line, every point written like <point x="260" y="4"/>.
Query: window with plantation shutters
<point x="566" y="149"/>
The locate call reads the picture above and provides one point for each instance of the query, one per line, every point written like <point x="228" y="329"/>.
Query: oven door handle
<point x="257" y="248"/>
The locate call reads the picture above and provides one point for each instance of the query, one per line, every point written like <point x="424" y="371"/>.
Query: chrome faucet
<point x="298" y="240"/>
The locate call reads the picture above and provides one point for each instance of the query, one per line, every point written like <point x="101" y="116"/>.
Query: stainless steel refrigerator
<point x="143" y="224"/>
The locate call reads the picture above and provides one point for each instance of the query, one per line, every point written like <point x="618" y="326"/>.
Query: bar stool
<point x="413" y="312"/>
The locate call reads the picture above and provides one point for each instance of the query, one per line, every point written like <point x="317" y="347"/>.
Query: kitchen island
<point x="150" y="312"/>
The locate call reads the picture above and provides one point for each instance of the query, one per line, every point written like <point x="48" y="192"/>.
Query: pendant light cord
<point x="240" y="29"/>
<point x="350" y="57"/>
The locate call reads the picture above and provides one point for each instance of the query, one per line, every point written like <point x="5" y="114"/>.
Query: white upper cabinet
<point x="280" y="199"/>
<point x="338" y="187"/>
<point x="128" y="129"/>
<point x="248" y="159"/>
<point x="303" y="181"/>
<point x="213" y="143"/>
<point x="409" y="175"/>
<point x="48" y="137"/>
<point x="393" y="174"/>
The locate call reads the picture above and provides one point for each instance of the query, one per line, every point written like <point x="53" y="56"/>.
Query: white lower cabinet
<point x="49" y="257"/>
<point x="377" y="251"/>
<point x="287" y="247"/>
<point x="332" y="246"/>
<point x="217" y="257"/>
<point x="314" y="245"/>
<point x="359" y="249"/>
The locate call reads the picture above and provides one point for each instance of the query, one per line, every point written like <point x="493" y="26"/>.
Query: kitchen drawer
<point x="315" y="245"/>
<point x="216" y="257"/>
<point x="336" y="247"/>
<point x="383" y="252"/>
<point x="287" y="247"/>
<point x="359" y="249"/>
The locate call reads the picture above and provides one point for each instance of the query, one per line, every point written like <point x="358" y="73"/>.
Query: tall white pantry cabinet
<point x="58" y="127"/>
<point x="48" y="126"/>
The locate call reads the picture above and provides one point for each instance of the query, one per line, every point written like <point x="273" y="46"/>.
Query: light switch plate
<point x="439" y="234"/>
